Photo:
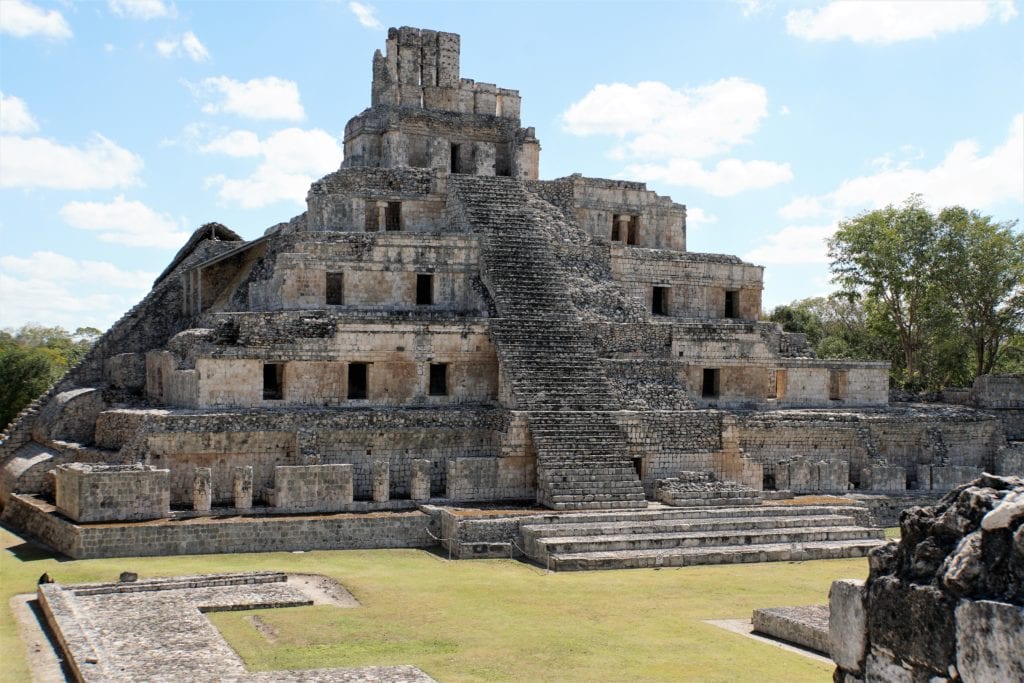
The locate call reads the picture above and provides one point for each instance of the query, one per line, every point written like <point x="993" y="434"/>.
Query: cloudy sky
<point x="126" y="124"/>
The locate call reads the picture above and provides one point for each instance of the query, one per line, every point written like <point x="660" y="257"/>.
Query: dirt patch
<point x="322" y="590"/>
<point x="265" y="629"/>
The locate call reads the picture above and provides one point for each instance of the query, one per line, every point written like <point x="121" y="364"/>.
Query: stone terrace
<point x="155" y="630"/>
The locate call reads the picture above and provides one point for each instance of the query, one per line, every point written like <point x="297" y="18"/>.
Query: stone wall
<point x="491" y="479"/>
<point x="104" y="493"/>
<point x="202" y="536"/>
<point x="945" y="603"/>
<point x="312" y="488"/>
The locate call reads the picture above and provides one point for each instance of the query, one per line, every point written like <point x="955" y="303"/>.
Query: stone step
<point x="536" y="531"/>
<point x="682" y="557"/>
<point x="709" y="513"/>
<point x="702" y="539"/>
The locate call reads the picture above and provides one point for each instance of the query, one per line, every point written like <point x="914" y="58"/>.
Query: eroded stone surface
<point x="156" y="630"/>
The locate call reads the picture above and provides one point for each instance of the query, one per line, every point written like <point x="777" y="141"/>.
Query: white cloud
<point x="365" y="14"/>
<point x="893" y="21"/>
<point x="653" y="120"/>
<point x="39" y="162"/>
<point x="794" y="244"/>
<point x="237" y="143"/>
<point x="727" y="178"/>
<point x="22" y="19"/>
<point x="965" y="176"/>
<point x="142" y="9"/>
<point x="259" y="98"/>
<point x="751" y="7"/>
<point x="14" y="115"/>
<point x="130" y="223"/>
<point x="697" y="218"/>
<point x="53" y="289"/>
<point x="188" y="44"/>
<point x="291" y="160"/>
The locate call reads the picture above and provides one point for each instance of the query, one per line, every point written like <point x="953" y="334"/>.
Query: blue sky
<point x="126" y="124"/>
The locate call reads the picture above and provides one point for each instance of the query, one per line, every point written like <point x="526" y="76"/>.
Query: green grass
<point x="485" y="620"/>
<point x="892" y="533"/>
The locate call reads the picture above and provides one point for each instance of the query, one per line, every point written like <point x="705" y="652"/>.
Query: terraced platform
<point x="691" y="536"/>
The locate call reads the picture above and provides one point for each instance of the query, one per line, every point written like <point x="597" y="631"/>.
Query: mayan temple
<point x="443" y="329"/>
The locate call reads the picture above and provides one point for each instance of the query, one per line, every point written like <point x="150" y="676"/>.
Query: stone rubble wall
<point x="945" y="603"/>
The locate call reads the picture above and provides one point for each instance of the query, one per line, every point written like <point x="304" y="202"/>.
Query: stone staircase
<point x="681" y="537"/>
<point x="547" y="359"/>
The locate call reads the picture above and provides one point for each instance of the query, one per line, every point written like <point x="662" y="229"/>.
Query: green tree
<point x="981" y="269"/>
<point x="889" y="256"/>
<point x="34" y="357"/>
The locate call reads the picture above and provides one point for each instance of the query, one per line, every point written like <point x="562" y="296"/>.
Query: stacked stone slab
<point x="551" y="365"/>
<point x="690" y="536"/>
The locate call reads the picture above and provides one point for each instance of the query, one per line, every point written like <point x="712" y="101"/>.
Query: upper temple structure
<point x="441" y="326"/>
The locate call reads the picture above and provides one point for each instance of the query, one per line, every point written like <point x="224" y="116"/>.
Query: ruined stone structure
<point x="441" y="325"/>
<point x="946" y="603"/>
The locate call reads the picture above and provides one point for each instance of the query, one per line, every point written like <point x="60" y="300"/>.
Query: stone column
<point x="381" y="481"/>
<point x="623" y="231"/>
<point x="345" y="484"/>
<point x="243" y="487"/>
<point x="382" y="220"/>
<point x="419" y="485"/>
<point x="202" y="489"/>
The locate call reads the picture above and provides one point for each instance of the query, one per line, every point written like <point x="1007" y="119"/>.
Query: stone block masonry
<point x="100" y="493"/>
<point x="312" y="488"/>
<point x="203" y="535"/>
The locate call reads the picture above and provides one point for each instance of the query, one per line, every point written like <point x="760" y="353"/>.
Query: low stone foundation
<point x="803" y="626"/>
<point x="202" y="535"/>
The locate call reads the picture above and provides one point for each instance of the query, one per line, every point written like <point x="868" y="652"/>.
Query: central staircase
<point x="670" y="537"/>
<point x="547" y="359"/>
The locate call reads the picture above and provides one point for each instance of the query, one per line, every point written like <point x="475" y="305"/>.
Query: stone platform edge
<point x="410" y="529"/>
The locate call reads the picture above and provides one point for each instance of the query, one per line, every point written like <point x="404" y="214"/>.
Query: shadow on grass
<point x="32" y="551"/>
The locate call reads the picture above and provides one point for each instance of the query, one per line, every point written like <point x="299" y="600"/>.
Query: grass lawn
<point x="484" y="620"/>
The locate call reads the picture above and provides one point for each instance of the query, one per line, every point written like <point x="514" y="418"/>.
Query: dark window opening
<point x="393" y="217"/>
<point x="438" y="379"/>
<point x="732" y="304"/>
<point x="273" y="381"/>
<point x="659" y="301"/>
<point x="357" y="380"/>
<point x="615" y="231"/>
<point x="838" y="382"/>
<point x="709" y="383"/>
<point x="768" y="481"/>
<point x="424" y="289"/>
<point x="633" y="236"/>
<point x="372" y="217"/>
<point x="638" y="465"/>
<point x="456" y="164"/>
<point x="335" y="289"/>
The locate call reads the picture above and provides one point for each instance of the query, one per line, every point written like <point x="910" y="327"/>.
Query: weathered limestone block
<point x="989" y="641"/>
<point x="106" y="493"/>
<point x="243" y="487"/>
<point x="202" y="489"/>
<point x="485" y="99"/>
<point x="440" y="99"/>
<point x="883" y="666"/>
<point x="895" y="606"/>
<point x="395" y="150"/>
<point x="419" y="484"/>
<point x="70" y="416"/>
<point x="883" y="478"/>
<point x="510" y="103"/>
<point x="312" y="488"/>
<point x="448" y="60"/>
<point x="847" y="624"/>
<point x="467" y="96"/>
<point x="833" y="475"/>
<point x="1010" y="460"/>
<point x="483" y="158"/>
<point x="803" y="476"/>
<point x="381" y="481"/>
<point x="408" y="56"/>
<point x="946" y="478"/>
<point x="126" y="371"/>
